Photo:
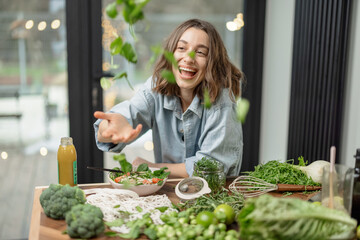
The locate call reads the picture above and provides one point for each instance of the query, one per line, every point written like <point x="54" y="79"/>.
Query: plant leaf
<point x="142" y="167"/>
<point x="171" y="59"/>
<point x="128" y="52"/>
<point x="192" y="54"/>
<point x="125" y="166"/>
<point x="116" y="46"/>
<point x="207" y="101"/>
<point x="119" y="157"/>
<point x="116" y="223"/>
<point x="168" y="75"/>
<point x="111" y="10"/>
<point x="123" y="75"/>
<point x="242" y="109"/>
<point x="105" y="83"/>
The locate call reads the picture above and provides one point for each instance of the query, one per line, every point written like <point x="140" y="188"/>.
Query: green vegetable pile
<point x="268" y="217"/>
<point x="84" y="221"/>
<point x="184" y="225"/>
<point x="212" y="171"/>
<point x="277" y="172"/>
<point x="209" y="202"/>
<point x="58" y="199"/>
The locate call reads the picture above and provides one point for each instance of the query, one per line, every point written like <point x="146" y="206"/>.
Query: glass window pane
<point x="161" y="17"/>
<point x="33" y="105"/>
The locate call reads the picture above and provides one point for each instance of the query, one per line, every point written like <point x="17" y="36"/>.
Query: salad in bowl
<point x="141" y="179"/>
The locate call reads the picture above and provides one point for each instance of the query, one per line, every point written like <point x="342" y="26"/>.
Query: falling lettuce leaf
<point x="242" y="109"/>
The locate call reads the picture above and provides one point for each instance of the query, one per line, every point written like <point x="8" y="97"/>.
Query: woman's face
<point x="191" y="68"/>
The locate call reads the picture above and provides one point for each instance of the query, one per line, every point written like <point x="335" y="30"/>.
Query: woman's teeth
<point x="186" y="69"/>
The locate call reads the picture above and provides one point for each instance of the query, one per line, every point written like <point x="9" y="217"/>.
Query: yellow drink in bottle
<point x="67" y="165"/>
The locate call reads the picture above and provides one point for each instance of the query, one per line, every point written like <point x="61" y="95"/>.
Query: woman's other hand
<point x="115" y="128"/>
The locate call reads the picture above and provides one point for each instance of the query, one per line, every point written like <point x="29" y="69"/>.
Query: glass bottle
<point x="213" y="174"/>
<point x="67" y="165"/>
<point x="355" y="212"/>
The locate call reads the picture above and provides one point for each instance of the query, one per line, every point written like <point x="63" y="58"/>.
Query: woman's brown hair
<point x="220" y="72"/>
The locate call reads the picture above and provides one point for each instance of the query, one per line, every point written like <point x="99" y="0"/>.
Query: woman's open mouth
<point x="187" y="73"/>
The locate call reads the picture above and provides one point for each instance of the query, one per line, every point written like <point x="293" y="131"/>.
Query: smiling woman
<point x="183" y="129"/>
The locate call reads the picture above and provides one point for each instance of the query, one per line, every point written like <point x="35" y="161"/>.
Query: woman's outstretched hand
<point x="115" y="128"/>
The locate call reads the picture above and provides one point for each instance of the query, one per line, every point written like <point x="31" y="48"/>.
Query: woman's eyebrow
<point x="199" y="46"/>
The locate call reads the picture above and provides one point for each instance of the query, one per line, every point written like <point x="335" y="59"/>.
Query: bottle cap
<point x="66" y="140"/>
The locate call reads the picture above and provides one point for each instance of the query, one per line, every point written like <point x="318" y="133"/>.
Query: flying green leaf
<point x="207" y="101"/>
<point x="168" y="75"/>
<point x="192" y="54"/>
<point x="116" y="46"/>
<point x="119" y="157"/>
<point x="156" y="50"/>
<point x="129" y="53"/>
<point x="132" y="12"/>
<point x="171" y="59"/>
<point x="105" y="83"/>
<point x="123" y="75"/>
<point x="242" y="109"/>
<point x="111" y="10"/>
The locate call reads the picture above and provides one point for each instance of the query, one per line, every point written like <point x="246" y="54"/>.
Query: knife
<point x="105" y="169"/>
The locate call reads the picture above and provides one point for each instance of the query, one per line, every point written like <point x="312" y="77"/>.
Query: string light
<point x="55" y="24"/>
<point x="43" y="151"/>
<point x="29" y="24"/>
<point x="42" y="26"/>
<point x="4" y="155"/>
<point x="148" y="145"/>
<point x="236" y="24"/>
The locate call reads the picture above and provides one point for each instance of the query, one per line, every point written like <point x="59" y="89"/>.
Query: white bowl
<point x="141" y="190"/>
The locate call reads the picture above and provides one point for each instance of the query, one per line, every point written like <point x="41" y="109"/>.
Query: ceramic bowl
<point x="141" y="190"/>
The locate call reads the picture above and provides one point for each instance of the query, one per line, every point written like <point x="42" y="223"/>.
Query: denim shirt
<point x="184" y="137"/>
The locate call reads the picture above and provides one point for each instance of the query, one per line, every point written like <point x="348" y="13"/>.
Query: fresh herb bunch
<point x="277" y="172"/>
<point x="212" y="171"/>
<point x="209" y="202"/>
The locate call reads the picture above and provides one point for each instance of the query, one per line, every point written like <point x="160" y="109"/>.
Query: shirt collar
<point x="173" y="103"/>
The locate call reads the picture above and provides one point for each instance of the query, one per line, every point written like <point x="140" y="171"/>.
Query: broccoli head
<point x="58" y="199"/>
<point x="84" y="221"/>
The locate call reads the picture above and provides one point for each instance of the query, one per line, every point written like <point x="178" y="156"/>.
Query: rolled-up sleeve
<point x="137" y="110"/>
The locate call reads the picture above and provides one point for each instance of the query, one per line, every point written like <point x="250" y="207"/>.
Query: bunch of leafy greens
<point x="142" y="170"/>
<point x="209" y="202"/>
<point x="268" y="217"/>
<point x="212" y="171"/>
<point x="277" y="172"/>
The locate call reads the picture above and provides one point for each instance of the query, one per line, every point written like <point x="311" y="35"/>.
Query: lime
<point x="228" y="210"/>
<point x="205" y="218"/>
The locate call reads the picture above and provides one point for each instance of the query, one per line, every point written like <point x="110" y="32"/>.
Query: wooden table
<point x="43" y="227"/>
